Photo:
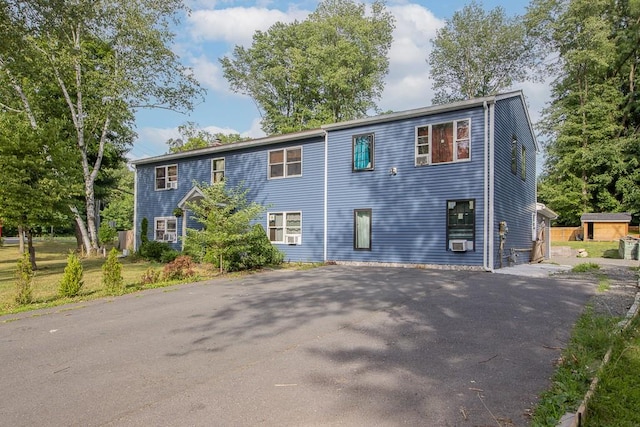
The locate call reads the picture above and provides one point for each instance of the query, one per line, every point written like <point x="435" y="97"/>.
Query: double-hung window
<point x="443" y="142"/>
<point x="362" y="229"/>
<point x="166" y="177"/>
<point x="362" y="150"/>
<point x="285" y="227"/>
<point x="217" y="170"/>
<point x="461" y="221"/>
<point x="285" y="163"/>
<point x="166" y="229"/>
<point x="523" y="163"/>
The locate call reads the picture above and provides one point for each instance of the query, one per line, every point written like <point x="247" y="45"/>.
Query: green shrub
<point x="169" y="256"/>
<point x="153" y="250"/>
<point x="106" y="233"/>
<point x="144" y="228"/>
<point x="150" y="276"/>
<point x="257" y="252"/>
<point x="71" y="282"/>
<point x="112" y="274"/>
<point x="179" y="268"/>
<point x="24" y="276"/>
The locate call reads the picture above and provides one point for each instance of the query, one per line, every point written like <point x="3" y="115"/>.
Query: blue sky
<point x="214" y="27"/>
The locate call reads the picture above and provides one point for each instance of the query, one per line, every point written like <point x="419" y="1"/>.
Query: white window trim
<point x="165" y="219"/>
<point x="167" y="186"/>
<point x="430" y="143"/>
<point x="284" y="163"/>
<point x="284" y="227"/>
<point x="215" y="171"/>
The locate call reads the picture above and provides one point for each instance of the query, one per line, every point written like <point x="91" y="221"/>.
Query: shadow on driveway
<point x="334" y="345"/>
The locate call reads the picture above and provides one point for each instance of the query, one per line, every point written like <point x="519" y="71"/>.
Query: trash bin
<point x="629" y="247"/>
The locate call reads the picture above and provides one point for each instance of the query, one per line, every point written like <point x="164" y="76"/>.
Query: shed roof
<point x="606" y="217"/>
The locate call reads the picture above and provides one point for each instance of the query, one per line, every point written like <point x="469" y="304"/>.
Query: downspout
<point x="135" y="208"/>
<point x="485" y="199"/>
<point x="326" y="187"/>
<point x="492" y="165"/>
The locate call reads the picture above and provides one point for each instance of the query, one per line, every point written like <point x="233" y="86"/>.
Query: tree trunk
<point x="21" y="239"/>
<point x="32" y="251"/>
<point x="91" y="219"/>
<point x="83" y="230"/>
<point x="78" y="233"/>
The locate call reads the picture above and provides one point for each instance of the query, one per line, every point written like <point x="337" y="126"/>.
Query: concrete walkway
<point x="560" y="265"/>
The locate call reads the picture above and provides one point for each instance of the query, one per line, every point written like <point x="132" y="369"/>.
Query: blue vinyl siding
<point x="249" y="168"/>
<point x="515" y="199"/>
<point x="409" y="209"/>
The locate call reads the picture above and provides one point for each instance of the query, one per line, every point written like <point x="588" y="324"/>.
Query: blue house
<point x="446" y="185"/>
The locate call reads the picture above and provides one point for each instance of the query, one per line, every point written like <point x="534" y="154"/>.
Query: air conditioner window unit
<point x="458" y="245"/>
<point x="173" y="184"/>
<point x="293" y="239"/>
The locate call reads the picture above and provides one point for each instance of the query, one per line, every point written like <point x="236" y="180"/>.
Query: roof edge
<point x="267" y="140"/>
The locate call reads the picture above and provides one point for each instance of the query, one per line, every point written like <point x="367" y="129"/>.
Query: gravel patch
<point x="620" y="295"/>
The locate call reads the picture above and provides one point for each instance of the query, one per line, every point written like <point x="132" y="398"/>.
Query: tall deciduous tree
<point x="107" y="58"/>
<point x="592" y="122"/>
<point x="37" y="176"/>
<point x="193" y="137"/>
<point x="327" y="68"/>
<point x="479" y="53"/>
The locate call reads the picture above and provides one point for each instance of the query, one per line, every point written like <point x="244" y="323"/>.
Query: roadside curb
<point x="571" y="419"/>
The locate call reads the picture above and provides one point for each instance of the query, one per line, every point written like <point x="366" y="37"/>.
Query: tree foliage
<point x="24" y="278"/>
<point x="102" y="60"/>
<point x="119" y="200"/>
<point x="479" y="53"/>
<point x="228" y="238"/>
<point x="593" y="120"/>
<point x="71" y="281"/>
<point x="192" y="138"/>
<point x="112" y="279"/>
<point x="327" y="68"/>
<point x="38" y="177"/>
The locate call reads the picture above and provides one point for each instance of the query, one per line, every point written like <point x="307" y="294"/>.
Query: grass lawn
<point x="594" y="249"/>
<point x="617" y="397"/>
<point x="51" y="259"/>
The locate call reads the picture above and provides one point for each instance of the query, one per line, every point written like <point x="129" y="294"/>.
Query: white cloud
<point x="208" y="73"/>
<point x="255" y="131"/>
<point x="237" y="25"/>
<point x="408" y="84"/>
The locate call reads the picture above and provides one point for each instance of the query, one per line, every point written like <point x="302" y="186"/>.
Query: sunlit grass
<point x="594" y="249"/>
<point x="51" y="259"/>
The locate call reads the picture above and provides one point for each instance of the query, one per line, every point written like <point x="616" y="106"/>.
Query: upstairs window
<point x="166" y="177"/>
<point x="285" y="163"/>
<point x="166" y="229"/>
<point x="443" y="142"/>
<point x="217" y="170"/>
<point x="362" y="148"/>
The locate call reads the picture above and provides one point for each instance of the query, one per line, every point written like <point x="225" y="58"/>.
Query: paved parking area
<point x="334" y="345"/>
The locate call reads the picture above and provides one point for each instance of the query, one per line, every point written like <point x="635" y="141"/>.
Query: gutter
<point x="492" y="164"/>
<point x="326" y="195"/>
<point x="135" y="208"/>
<point x="485" y="223"/>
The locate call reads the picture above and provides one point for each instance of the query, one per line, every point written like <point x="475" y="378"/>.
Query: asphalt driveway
<point x="334" y="345"/>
